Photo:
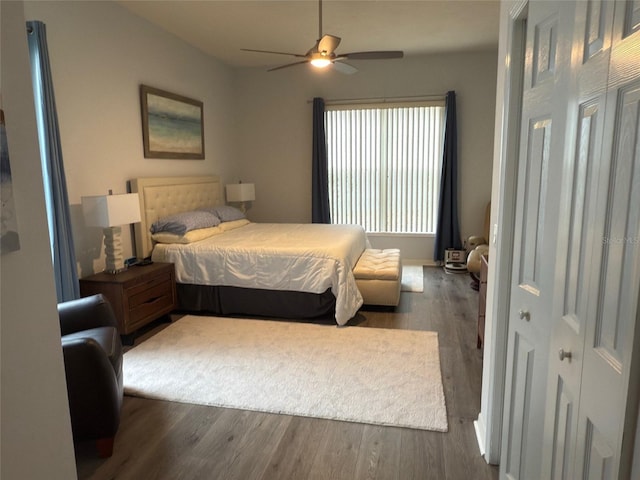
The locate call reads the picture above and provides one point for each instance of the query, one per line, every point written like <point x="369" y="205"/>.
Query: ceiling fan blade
<point x="344" y="68"/>
<point x="328" y="43"/>
<point x="269" y="51"/>
<point x="382" y="55"/>
<point x="286" y="66"/>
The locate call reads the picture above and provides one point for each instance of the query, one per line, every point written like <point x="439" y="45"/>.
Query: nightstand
<point x="138" y="295"/>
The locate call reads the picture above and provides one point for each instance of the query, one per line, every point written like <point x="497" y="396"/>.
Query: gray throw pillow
<point x="227" y="213"/>
<point x="184" y="222"/>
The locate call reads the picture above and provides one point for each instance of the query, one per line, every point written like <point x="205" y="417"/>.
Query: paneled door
<point x="607" y="399"/>
<point x="540" y="164"/>
<point x="577" y="239"/>
<point x="594" y="288"/>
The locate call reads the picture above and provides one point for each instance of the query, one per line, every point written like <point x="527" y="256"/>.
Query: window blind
<point x="384" y="166"/>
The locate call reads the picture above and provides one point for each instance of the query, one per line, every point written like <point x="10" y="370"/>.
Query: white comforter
<point x="297" y="257"/>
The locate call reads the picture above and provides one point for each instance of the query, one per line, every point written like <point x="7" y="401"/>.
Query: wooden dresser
<point x="482" y="302"/>
<point x="138" y="295"/>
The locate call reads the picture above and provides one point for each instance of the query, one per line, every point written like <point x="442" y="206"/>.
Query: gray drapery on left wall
<point x="320" y="212"/>
<point x="55" y="185"/>
<point x="448" y="229"/>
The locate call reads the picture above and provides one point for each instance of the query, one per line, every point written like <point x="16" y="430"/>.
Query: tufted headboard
<point x="164" y="196"/>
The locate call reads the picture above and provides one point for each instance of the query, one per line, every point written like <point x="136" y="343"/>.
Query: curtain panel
<point x="448" y="229"/>
<point x="55" y="186"/>
<point x="320" y="212"/>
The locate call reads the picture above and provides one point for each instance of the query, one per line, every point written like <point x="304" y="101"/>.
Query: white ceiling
<point x="222" y="27"/>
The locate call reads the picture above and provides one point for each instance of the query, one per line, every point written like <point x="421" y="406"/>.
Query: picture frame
<point x="9" y="237"/>
<point x="172" y="125"/>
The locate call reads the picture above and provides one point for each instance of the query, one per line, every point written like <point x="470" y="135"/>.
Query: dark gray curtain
<point x="55" y="186"/>
<point x="320" y="212"/>
<point x="448" y="230"/>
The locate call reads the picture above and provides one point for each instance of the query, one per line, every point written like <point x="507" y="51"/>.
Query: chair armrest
<point x="85" y="313"/>
<point x="93" y="387"/>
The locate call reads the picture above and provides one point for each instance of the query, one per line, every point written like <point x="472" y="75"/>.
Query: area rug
<point x="357" y="374"/>
<point x="412" y="278"/>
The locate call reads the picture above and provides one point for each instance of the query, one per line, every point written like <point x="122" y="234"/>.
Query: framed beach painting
<point x="9" y="238"/>
<point x="172" y="125"/>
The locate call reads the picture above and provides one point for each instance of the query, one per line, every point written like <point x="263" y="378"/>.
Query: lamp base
<point x="114" y="261"/>
<point x="114" y="272"/>
<point x="242" y="206"/>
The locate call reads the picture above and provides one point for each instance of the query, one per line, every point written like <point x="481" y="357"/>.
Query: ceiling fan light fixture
<point x="320" y="60"/>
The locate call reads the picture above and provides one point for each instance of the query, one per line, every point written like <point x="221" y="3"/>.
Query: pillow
<point x="226" y="226"/>
<point x="189" y="237"/>
<point x="227" y="213"/>
<point x="184" y="222"/>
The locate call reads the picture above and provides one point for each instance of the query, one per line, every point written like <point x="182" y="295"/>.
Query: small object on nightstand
<point x="143" y="262"/>
<point x="138" y="295"/>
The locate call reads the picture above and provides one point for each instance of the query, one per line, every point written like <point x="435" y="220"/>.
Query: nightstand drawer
<point x="148" y="302"/>
<point x="139" y="288"/>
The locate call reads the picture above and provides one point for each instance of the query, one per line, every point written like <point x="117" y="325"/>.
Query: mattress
<point x="287" y="257"/>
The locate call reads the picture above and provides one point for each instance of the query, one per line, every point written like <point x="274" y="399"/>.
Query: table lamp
<point x="241" y="193"/>
<point x="111" y="212"/>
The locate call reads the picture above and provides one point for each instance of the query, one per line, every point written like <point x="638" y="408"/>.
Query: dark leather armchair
<point x="93" y="365"/>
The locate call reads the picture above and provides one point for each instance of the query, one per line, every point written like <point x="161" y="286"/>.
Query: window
<point x="384" y="165"/>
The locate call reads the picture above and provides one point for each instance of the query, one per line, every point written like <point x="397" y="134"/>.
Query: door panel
<point x="536" y="170"/>
<point x="595" y="28"/>
<point x="574" y="301"/>
<point x="615" y="287"/>
<point x="600" y="298"/>
<point x="599" y="461"/>
<point x="577" y="249"/>
<point x="564" y="427"/>
<point x="586" y="104"/>
<point x="610" y="332"/>
<point x="544" y="50"/>
<point x="524" y="356"/>
<point x="547" y="61"/>
<point x="621" y="224"/>
<point x="632" y="17"/>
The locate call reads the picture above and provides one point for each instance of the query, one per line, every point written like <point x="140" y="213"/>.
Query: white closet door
<point x="540" y="167"/>
<point x="607" y="399"/>
<point x="577" y="241"/>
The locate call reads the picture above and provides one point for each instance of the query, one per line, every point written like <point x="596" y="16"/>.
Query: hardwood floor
<point x="165" y="440"/>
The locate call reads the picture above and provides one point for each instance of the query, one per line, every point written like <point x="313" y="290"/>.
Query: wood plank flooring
<point x="165" y="440"/>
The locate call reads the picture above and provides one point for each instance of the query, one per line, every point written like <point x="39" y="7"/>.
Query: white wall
<point x="275" y="127"/>
<point x="257" y="124"/>
<point x="100" y="54"/>
<point x="35" y="426"/>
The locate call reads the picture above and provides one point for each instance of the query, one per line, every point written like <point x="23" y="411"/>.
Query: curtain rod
<point x="412" y="98"/>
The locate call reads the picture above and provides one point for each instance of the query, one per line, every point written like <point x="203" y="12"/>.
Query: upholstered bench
<point x="378" y="275"/>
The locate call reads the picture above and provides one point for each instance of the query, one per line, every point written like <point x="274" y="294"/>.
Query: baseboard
<point x="480" y="434"/>
<point x="419" y="261"/>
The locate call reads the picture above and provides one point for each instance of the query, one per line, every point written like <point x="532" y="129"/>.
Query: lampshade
<point x="241" y="192"/>
<point x="111" y="210"/>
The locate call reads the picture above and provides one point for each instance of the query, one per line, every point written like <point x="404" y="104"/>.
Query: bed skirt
<point x="224" y="300"/>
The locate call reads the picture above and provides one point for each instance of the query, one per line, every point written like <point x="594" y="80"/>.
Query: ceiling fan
<point x="323" y="54"/>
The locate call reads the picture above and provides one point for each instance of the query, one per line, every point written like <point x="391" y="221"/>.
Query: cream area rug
<point x="412" y="278"/>
<point x="356" y="374"/>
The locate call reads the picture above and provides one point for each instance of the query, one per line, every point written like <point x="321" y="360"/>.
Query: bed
<point x="246" y="268"/>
